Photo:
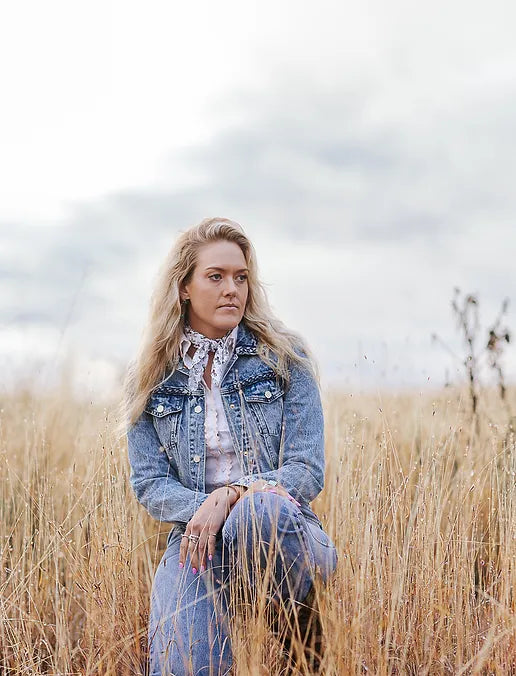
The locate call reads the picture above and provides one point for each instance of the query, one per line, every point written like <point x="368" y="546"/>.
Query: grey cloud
<point x="308" y="164"/>
<point x="317" y="170"/>
<point x="311" y="159"/>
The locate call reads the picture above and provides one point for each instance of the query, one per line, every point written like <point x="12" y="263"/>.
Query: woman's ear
<point x="183" y="293"/>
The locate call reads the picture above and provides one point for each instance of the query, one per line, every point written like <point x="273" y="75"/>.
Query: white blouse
<point x="222" y="466"/>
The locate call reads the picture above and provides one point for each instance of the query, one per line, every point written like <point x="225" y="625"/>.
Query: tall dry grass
<point x="421" y="506"/>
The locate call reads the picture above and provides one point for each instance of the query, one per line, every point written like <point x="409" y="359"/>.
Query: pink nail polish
<point x="180" y="564"/>
<point x="210" y="557"/>
<point x="272" y="490"/>
<point x="203" y="569"/>
<point x="194" y="570"/>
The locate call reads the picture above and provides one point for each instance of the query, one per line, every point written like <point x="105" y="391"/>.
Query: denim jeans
<point x="189" y="625"/>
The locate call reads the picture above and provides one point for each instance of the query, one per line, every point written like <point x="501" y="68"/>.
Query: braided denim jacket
<point x="277" y="431"/>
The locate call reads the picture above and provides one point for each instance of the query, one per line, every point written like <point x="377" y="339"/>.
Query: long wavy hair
<point x="159" y="349"/>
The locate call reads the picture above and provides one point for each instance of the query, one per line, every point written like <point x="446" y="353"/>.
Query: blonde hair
<point x="159" y="348"/>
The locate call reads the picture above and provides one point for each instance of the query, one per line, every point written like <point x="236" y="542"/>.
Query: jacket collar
<point x="246" y="342"/>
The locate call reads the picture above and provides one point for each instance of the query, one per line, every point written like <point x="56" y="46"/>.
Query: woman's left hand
<point x="262" y="485"/>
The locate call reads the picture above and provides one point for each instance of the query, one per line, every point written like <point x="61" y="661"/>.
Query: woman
<point x="225" y="441"/>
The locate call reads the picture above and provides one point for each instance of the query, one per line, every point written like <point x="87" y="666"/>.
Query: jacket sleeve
<point x="302" y="461"/>
<point x="153" y="478"/>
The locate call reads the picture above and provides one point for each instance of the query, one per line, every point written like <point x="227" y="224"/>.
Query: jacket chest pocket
<point x="265" y="400"/>
<point x="166" y="410"/>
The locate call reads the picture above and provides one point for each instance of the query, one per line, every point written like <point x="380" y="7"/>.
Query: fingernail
<point x="180" y="564"/>
<point x="194" y="570"/>
<point x="210" y="557"/>
<point x="297" y="503"/>
<point x="203" y="569"/>
<point x="272" y="490"/>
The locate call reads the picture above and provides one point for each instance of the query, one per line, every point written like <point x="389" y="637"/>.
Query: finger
<point x="291" y="498"/>
<point x="183" y="548"/>
<point x="211" y="545"/>
<point x="194" y="559"/>
<point x="280" y="490"/>
<point x="201" y="549"/>
<point x="283" y="491"/>
<point x="193" y="550"/>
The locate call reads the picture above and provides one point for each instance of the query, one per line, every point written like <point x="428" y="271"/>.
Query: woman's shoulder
<point x="294" y="364"/>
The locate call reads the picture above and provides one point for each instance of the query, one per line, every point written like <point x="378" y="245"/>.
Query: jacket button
<point x="198" y="408"/>
<point x="232" y="406"/>
<point x="196" y="458"/>
<point x="160" y="408"/>
<point x="268" y="394"/>
<point x="162" y="448"/>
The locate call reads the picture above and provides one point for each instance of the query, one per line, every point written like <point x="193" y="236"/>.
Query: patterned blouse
<point x="222" y="466"/>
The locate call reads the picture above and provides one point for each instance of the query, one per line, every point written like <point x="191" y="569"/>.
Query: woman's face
<point x="217" y="289"/>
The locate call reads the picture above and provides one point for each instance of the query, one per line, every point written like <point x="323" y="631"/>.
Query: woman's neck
<point x="209" y="332"/>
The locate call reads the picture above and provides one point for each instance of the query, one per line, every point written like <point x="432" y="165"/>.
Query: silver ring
<point x="193" y="537"/>
<point x="185" y="536"/>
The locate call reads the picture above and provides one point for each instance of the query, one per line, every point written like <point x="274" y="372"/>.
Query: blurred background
<point x="367" y="148"/>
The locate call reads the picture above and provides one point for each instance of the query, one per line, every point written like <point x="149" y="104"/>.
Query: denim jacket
<point x="277" y="431"/>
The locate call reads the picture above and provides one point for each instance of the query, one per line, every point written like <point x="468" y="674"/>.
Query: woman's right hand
<point x="210" y="517"/>
<point x="205" y="523"/>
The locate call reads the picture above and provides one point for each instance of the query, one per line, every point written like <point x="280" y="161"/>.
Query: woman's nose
<point x="230" y="287"/>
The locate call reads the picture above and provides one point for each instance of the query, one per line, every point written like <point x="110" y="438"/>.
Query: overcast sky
<point x="367" y="148"/>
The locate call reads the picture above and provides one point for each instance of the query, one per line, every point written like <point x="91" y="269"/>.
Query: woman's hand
<point x="206" y="522"/>
<point x="210" y="517"/>
<point x="262" y="485"/>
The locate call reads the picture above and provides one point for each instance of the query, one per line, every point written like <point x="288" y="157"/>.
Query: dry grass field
<point x="420" y="503"/>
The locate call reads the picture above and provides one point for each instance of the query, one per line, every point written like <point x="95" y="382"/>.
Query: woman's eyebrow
<point x="214" y="267"/>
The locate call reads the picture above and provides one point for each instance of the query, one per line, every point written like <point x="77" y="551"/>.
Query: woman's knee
<point x="261" y="514"/>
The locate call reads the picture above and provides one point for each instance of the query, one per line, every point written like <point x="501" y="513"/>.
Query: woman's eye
<point x="217" y="276"/>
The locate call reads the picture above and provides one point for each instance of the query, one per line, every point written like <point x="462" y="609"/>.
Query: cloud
<point x="315" y="162"/>
<point x="364" y="223"/>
